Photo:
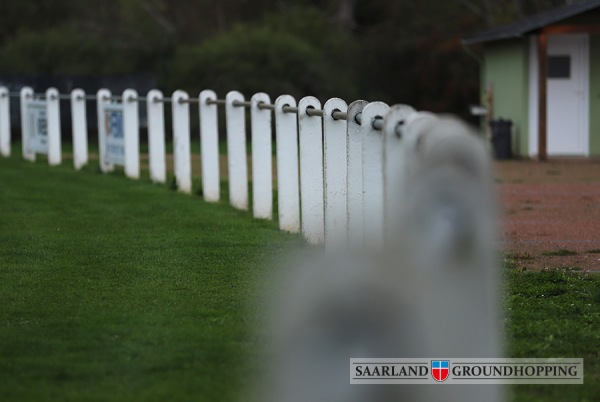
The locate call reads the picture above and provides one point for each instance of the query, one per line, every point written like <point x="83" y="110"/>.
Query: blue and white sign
<point x="114" y="134"/>
<point x="37" y="126"/>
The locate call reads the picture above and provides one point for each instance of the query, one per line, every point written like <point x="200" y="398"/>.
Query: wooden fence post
<point x="335" y="173"/>
<point x="26" y="95"/>
<point x="156" y="136"/>
<point x="310" y="132"/>
<point x="131" y="133"/>
<point x="181" y="141"/>
<point x="209" y="146"/>
<point x="4" y="122"/>
<point x="394" y="162"/>
<point x="373" y="174"/>
<point x="236" y="150"/>
<point x="102" y="97"/>
<point x="53" y="126"/>
<point x="262" y="158"/>
<point x="79" y="127"/>
<point x="286" y="134"/>
<point x="355" y="176"/>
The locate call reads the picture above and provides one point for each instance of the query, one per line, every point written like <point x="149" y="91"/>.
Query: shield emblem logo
<point x="440" y="369"/>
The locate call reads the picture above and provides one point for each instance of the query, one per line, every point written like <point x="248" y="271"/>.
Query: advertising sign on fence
<point x="113" y="132"/>
<point x="38" y="126"/>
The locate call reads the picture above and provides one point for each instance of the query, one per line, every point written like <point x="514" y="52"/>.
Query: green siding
<point x="595" y="95"/>
<point x="506" y="69"/>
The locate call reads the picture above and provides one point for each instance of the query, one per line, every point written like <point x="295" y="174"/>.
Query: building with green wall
<point x="547" y="65"/>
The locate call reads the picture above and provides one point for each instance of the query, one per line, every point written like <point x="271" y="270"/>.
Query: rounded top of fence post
<point x="52" y="95"/>
<point x="234" y="96"/>
<point x="396" y="117"/>
<point x="179" y="98"/>
<point x="78" y="95"/>
<point x="153" y="97"/>
<point x="415" y="127"/>
<point x="129" y="95"/>
<point x="371" y="112"/>
<point x="283" y="100"/>
<point x="205" y="95"/>
<point x="354" y="109"/>
<point x="102" y="94"/>
<point x="308" y="102"/>
<point x="26" y="91"/>
<point x="260" y="97"/>
<point x="154" y="93"/>
<point x="451" y="141"/>
<point x="335" y="103"/>
<point x="332" y="106"/>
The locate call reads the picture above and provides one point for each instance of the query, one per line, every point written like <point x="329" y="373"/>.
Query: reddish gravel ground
<point x="551" y="213"/>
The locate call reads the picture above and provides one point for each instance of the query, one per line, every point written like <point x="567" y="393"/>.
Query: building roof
<point x="532" y="23"/>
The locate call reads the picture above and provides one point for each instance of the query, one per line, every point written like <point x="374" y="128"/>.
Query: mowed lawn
<point x="114" y="289"/>
<point x="554" y="313"/>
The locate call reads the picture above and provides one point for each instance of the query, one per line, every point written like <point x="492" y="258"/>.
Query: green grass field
<point x="113" y="289"/>
<point x="554" y="313"/>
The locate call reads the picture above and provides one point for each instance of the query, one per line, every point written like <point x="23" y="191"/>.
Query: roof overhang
<point x="532" y="24"/>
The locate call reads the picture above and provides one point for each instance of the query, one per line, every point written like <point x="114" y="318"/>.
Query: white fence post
<point x="156" y="136"/>
<point x="373" y="174"/>
<point x="4" y="122"/>
<point x="415" y="125"/>
<point x="394" y="165"/>
<point x="262" y="158"/>
<point x="131" y="132"/>
<point x="286" y="134"/>
<point x="355" y="175"/>
<point x="181" y="141"/>
<point x="26" y="95"/>
<point x="102" y="98"/>
<point x="310" y="132"/>
<point x="335" y="173"/>
<point x="53" y="119"/>
<point x="448" y="246"/>
<point x="236" y="151"/>
<point x="79" y="127"/>
<point x="209" y="146"/>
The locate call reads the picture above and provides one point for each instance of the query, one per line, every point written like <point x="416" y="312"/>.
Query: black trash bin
<point x="501" y="138"/>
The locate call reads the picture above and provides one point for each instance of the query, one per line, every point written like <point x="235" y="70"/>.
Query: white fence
<point x="364" y="176"/>
<point x="340" y="168"/>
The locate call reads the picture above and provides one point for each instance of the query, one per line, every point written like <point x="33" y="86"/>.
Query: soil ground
<point x="550" y="213"/>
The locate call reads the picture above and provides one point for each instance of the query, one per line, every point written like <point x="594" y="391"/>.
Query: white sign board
<point x="114" y="134"/>
<point x="38" y="126"/>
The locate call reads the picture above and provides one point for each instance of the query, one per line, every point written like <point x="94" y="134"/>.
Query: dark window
<point x="559" y="66"/>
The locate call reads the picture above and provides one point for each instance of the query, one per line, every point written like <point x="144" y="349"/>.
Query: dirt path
<point x="551" y="213"/>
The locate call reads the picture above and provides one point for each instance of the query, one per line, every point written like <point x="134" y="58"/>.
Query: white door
<point x="568" y="103"/>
